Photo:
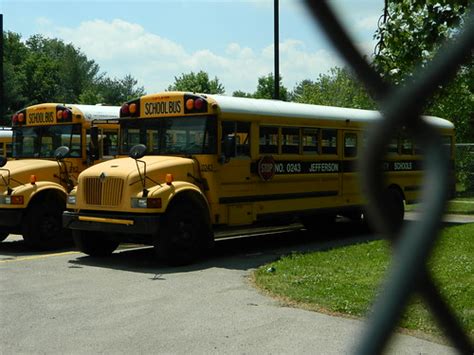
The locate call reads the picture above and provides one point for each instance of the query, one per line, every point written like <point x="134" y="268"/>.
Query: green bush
<point x="465" y="167"/>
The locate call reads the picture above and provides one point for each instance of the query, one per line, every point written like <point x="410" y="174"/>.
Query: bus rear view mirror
<point x="137" y="151"/>
<point x="61" y="152"/>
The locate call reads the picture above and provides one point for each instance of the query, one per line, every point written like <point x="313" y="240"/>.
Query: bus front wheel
<point x="94" y="243"/>
<point x="183" y="234"/>
<point x="42" y="226"/>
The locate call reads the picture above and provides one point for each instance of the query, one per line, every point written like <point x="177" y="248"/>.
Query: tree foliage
<point x="48" y="70"/>
<point x="197" y="82"/>
<point x="336" y="88"/>
<point x="412" y="35"/>
<point x="265" y="89"/>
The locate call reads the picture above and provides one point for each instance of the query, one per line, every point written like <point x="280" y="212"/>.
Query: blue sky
<point x="156" y="40"/>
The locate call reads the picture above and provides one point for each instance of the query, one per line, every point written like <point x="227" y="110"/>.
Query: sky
<point x="157" y="40"/>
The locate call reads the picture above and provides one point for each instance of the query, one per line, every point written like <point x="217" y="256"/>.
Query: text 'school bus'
<point x="34" y="185"/>
<point x="199" y="165"/>
<point x="6" y="142"/>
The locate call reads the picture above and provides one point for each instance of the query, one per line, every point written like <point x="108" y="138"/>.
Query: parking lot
<point x="66" y="302"/>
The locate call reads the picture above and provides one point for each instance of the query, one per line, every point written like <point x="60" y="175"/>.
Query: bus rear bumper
<point x="111" y="223"/>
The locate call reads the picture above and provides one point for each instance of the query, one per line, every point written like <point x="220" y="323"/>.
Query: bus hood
<point x="21" y="171"/>
<point x="156" y="169"/>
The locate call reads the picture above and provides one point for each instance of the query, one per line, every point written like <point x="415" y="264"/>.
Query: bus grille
<point x="106" y="193"/>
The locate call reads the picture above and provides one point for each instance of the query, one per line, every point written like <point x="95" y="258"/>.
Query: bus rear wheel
<point x="183" y="234"/>
<point x="395" y="207"/>
<point x="94" y="243"/>
<point x="42" y="226"/>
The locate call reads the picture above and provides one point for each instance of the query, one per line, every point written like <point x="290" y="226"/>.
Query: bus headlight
<point x="144" y="202"/>
<point x="12" y="200"/>
<point x="71" y="199"/>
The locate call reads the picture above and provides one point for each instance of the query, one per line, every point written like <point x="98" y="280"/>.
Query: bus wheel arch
<point x="185" y="231"/>
<point x="42" y="222"/>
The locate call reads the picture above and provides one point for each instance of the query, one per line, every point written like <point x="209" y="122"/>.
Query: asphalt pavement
<point x="66" y="302"/>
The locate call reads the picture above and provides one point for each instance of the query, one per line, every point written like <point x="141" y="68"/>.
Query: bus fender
<point x="31" y="192"/>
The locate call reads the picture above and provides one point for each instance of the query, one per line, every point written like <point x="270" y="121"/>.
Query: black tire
<point x="94" y="243"/>
<point x="395" y="208"/>
<point x="3" y="236"/>
<point x="184" y="234"/>
<point x="42" y="225"/>
<point x="318" y="224"/>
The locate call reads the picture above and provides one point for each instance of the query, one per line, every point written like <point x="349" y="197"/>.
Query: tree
<point x="240" y="93"/>
<point x="266" y="87"/>
<point x="410" y="38"/>
<point x="197" y="82"/>
<point x="112" y="91"/>
<point x="413" y="32"/>
<point x="337" y="88"/>
<point x="48" y="70"/>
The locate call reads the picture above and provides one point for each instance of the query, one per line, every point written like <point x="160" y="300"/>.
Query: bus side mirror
<point x="228" y="146"/>
<point x="94" y="144"/>
<point x="61" y="152"/>
<point x="137" y="151"/>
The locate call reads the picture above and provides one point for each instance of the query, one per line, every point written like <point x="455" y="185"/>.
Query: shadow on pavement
<point x="239" y="253"/>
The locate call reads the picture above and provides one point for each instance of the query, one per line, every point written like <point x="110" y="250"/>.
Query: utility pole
<point x="276" y="91"/>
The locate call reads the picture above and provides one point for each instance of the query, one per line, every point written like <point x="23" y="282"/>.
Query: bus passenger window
<point x="329" y="141"/>
<point x="350" y="145"/>
<point x="290" y="141"/>
<point x="393" y="146"/>
<point x="407" y="146"/>
<point x="310" y="140"/>
<point x="241" y="132"/>
<point x="110" y="143"/>
<point x="268" y="142"/>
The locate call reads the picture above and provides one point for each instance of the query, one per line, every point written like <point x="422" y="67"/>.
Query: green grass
<point x="464" y="205"/>
<point x="345" y="280"/>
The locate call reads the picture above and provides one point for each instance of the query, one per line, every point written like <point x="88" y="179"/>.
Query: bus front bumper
<point x="11" y="217"/>
<point x="111" y="223"/>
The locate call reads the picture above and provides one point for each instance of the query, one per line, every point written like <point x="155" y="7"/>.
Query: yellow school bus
<point x="202" y="166"/>
<point x="6" y="142"/>
<point x="34" y="184"/>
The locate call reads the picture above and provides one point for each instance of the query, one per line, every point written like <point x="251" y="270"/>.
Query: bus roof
<point x="265" y="107"/>
<point x="6" y="132"/>
<point x="97" y="112"/>
<point x="89" y="112"/>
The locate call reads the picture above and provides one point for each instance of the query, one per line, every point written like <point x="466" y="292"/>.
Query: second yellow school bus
<point x="6" y="142"/>
<point x="203" y="164"/>
<point x="33" y="184"/>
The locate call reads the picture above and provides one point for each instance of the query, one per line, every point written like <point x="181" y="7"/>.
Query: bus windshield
<point x="171" y="135"/>
<point x="42" y="141"/>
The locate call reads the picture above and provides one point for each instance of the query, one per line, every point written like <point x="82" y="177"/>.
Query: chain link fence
<point x="402" y="106"/>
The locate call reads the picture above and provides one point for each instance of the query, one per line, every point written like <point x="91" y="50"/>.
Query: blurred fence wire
<point x="402" y="106"/>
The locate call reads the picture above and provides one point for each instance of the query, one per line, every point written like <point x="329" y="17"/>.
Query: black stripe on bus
<point x="412" y="188"/>
<point x="295" y="167"/>
<point x="259" y="198"/>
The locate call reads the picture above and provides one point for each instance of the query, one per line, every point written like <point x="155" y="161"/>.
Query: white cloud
<point x="368" y="23"/>
<point x="121" y="48"/>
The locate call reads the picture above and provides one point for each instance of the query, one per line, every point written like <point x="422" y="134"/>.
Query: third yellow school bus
<point x="201" y="165"/>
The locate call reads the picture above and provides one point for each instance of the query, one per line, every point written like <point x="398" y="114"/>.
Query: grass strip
<point x="345" y="280"/>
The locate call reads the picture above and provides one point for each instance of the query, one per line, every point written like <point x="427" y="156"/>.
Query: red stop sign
<point x="266" y="167"/>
